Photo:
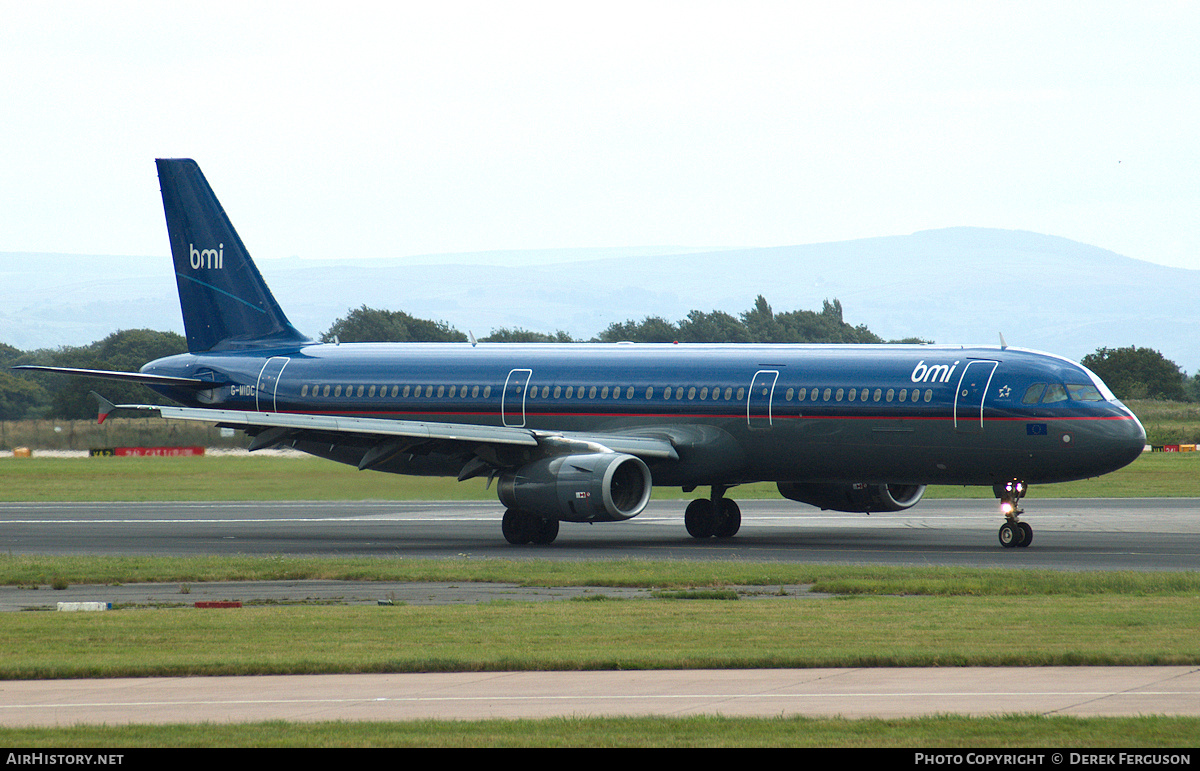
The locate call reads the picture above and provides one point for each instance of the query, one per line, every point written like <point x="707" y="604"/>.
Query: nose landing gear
<point x="1013" y="533"/>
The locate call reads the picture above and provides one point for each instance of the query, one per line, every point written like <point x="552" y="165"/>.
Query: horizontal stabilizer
<point x="189" y="383"/>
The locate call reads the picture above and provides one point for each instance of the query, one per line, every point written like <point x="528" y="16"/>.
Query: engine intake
<point x="596" y="487"/>
<point x="859" y="498"/>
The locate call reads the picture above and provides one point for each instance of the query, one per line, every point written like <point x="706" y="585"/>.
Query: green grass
<point x="881" y="616"/>
<point x="38" y="570"/>
<point x="240" y="478"/>
<point x="858" y="631"/>
<point x="875" y="616"/>
<point x="946" y="731"/>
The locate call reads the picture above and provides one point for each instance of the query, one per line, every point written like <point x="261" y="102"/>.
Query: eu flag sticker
<point x="1035" y="429"/>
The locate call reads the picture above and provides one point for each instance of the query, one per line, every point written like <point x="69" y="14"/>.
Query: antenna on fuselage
<point x="1003" y="344"/>
<point x="471" y="337"/>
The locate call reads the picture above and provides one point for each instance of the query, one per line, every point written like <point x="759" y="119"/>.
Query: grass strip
<point x="633" y="634"/>
<point x="262" y="478"/>
<point x="34" y="571"/>
<point x="944" y="731"/>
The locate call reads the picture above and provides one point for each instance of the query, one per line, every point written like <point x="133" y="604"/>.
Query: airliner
<point x="582" y="432"/>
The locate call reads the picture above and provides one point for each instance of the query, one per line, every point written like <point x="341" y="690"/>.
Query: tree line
<point x="759" y="324"/>
<point x="1131" y="373"/>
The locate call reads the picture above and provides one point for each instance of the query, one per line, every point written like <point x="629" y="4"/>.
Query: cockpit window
<point x="1033" y="394"/>
<point x="1054" y="393"/>
<point x="1084" y="393"/>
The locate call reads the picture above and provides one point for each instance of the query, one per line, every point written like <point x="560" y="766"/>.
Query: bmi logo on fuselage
<point x="932" y="373"/>
<point x="207" y="259"/>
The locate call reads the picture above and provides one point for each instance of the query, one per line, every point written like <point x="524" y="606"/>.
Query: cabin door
<point x="762" y="392"/>
<point x="969" y="399"/>
<point x="268" y="383"/>
<point x="512" y="401"/>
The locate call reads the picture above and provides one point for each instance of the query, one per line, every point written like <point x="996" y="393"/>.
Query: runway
<point x="1128" y="534"/>
<point x="1069" y="534"/>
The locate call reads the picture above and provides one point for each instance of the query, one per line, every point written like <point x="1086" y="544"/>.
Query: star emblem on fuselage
<point x="1004" y="392"/>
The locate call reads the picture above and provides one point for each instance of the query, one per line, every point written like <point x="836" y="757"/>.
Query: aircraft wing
<point x="280" y="424"/>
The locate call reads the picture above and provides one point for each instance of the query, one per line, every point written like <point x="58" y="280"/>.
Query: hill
<point x="958" y="285"/>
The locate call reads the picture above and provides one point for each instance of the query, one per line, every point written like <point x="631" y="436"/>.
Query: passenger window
<point x="1054" y="393"/>
<point x="475" y="392"/>
<point x="838" y="396"/>
<point x="395" y="390"/>
<point x="1033" y="394"/>
<point x="903" y="394"/>
<point x="878" y="394"/>
<point x="854" y="394"/>
<point x="928" y="394"/>
<point x="592" y="392"/>
<point x="649" y="392"/>
<point x="692" y="393"/>
<point x="487" y="391"/>
<point x="304" y="390"/>
<point x="603" y="392"/>
<point x="741" y="394"/>
<point x="828" y="393"/>
<point x="891" y="394"/>
<point x="803" y="392"/>
<point x="629" y="392"/>
<point x="728" y="393"/>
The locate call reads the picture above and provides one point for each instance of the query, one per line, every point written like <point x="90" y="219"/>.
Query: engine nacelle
<point x="859" y="498"/>
<point x="596" y="487"/>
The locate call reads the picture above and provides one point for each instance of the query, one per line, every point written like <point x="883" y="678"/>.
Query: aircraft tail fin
<point x="225" y="302"/>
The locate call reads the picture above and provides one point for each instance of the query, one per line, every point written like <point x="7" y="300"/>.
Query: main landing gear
<point x="1013" y="533"/>
<point x="521" y="527"/>
<point x="713" y="517"/>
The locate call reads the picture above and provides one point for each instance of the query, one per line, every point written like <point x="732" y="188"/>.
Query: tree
<point x="652" y="329"/>
<point x="372" y="325"/>
<point x="1137" y="373"/>
<point x="715" y="327"/>
<point x="519" y="335"/>
<point x="761" y="324"/>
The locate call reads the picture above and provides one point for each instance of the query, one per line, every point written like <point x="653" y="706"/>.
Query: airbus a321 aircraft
<point x="580" y="433"/>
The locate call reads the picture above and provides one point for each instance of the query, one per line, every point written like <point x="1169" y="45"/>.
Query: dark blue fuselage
<point x="736" y="413"/>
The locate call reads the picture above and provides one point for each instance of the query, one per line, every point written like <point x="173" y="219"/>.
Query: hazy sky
<point x="392" y="129"/>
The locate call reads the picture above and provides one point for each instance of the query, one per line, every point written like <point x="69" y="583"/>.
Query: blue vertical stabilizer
<point x="225" y="302"/>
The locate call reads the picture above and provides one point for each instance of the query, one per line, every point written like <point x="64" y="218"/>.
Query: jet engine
<point x="596" y="487"/>
<point x="861" y="498"/>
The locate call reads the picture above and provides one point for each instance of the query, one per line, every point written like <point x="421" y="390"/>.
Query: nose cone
<point x="1126" y="438"/>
